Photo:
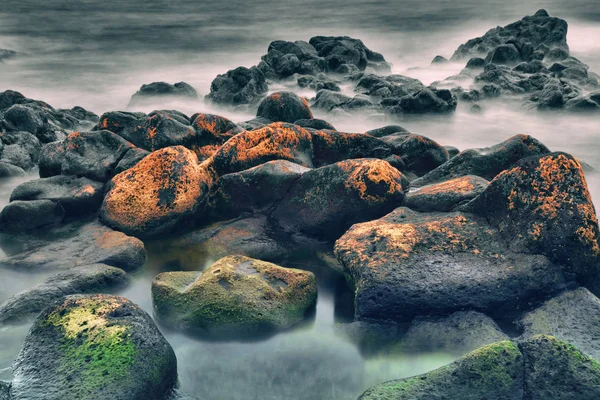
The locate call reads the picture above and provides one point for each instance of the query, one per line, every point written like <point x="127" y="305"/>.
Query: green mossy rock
<point x="94" y="347"/>
<point x="236" y="296"/>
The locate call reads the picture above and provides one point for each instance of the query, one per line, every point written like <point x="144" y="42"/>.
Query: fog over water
<point x="96" y="54"/>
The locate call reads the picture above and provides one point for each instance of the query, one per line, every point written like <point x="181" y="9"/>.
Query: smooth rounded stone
<point x="284" y="107"/>
<point x="9" y="98"/>
<point x="51" y="158"/>
<point x="157" y="194"/>
<point x="234" y="297"/>
<point x="314" y="123"/>
<point x="9" y="170"/>
<point x="331" y="146"/>
<point x="492" y="372"/>
<point x="278" y="141"/>
<point x="326" y="201"/>
<point x="476" y="109"/>
<point x="410" y="264"/>
<point x="458" y="333"/>
<point x="213" y="129"/>
<point x="439" y="60"/>
<point x="118" y="121"/>
<point x="238" y="86"/>
<point x="446" y="195"/>
<point x="77" y="196"/>
<point x="328" y="100"/>
<point x="92" y="243"/>
<point x="573" y="316"/>
<point x="476" y="63"/>
<point x="19" y="216"/>
<point x="452" y="151"/>
<point x="32" y="118"/>
<point x="130" y="159"/>
<point x="252" y="190"/>
<point x="96" y="278"/>
<point x="581" y="104"/>
<point x="20" y="148"/>
<point x="253" y="236"/>
<point x="420" y="154"/>
<point x="160" y="90"/>
<point x="94" y="346"/>
<point x="505" y="54"/>
<point x="543" y="206"/>
<point x="255" y="123"/>
<point x="486" y="162"/>
<point x="556" y="370"/>
<point x="386" y="131"/>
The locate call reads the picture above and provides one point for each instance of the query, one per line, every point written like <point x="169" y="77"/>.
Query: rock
<point x="5" y="390"/>
<point x="595" y="97"/>
<point x="130" y="159"/>
<point x="314" y="123"/>
<point x="556" y="370"/>
<point x="238" y="86"/>
<point x="118" y="121"/>
<point x="330" y="101"/>
<point x="532" y="67"/>
<point x="344" y="51"/>
<point x="447" y="195"/>
<point x="96" y="278"/>
<point x="331" y="146"/>
<point x="51" y="159"/>
<point x="410" y="264"/>
<point x="76" y="196"/>
<point x="386" y="131"/>
<point x="254" y="236"/>
<point x="459" y="333"/>
<point x="255" y="123"/>
<point x="317" y="83"/>
<point x="21" y="149"/>
<point x="486" y="162"/>
<point x="543" y="206"/>
<point x="213" y="129"/>
<point x="91" y="243"/>
<point x="156" y="195"/>
<point x="5" y="54"/>
<point x="284" y="107"/>
<point x="9" y="170"/>
<point x="33" y="118"/>
<point x="95" y="346"/>
<point x="439" y="60"/>
<point x="581" y="104"/>
<point x="426" y="101"/>
<point x="572" y="316"/>
<point x="475" y="63"/>
<point x="551" y="97"/>
<point x="252" y="190"/>
<point x="19" y="216"/>
<point x="276" y="141"/>
<point x="419" y="153"/>
<point x="324" y="202"/>
<point x="235" y="297"/>
<point x="505" y="54"/>
<point x="156" y="90"/>
<point x="9" y="98"/>
<point x="492" y="372"/>
<point x="452" y="151"/>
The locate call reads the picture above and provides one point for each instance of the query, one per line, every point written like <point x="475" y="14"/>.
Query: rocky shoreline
<point x="441" y="248"/>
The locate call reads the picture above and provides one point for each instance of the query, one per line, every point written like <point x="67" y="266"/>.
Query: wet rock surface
<point x="155" y="90"/>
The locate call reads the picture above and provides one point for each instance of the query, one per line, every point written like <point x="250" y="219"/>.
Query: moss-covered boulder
<point x="447" y="195"/>
<point x="94" y="347"/>
<point x="235" y="297"/>
<point x="492" y="372"/>
<point x="543" y="206"/>
<point x="326" y="201"/>
<point x="486" y="162"/>
<point x="331" y="146"/>
<point x="284" y="107"/>
<point x="278" y="141"/>
<point x="157" y="193"/>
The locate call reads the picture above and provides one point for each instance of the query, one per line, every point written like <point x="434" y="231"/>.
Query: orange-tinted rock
<point x="157" y="194"/>
<point x="213" y="129"/>
<point x="284" y="107"/>
<point x="447" y="195"/>
<point x="330" y="147"/>
<point x="161" y="129"/>
<point x="487" y="162"/>
<point x="324" y="202"/>
<point x="543" y="206"/>
<point x="420" y="154"/>
<point x="278" y="141"/>
<point x="408" y="264"/>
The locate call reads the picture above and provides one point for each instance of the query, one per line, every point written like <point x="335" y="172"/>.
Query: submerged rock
<point x="284" y="107"/>
<point x="96" y="278"/>
<point x="157" y="194"/>
<point x="95" y="346"/>
<point x="324" y="202"/>
<point x="235" y="297"/>
<point x="156" y="90"/>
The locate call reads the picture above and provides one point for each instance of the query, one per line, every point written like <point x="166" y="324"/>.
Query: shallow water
<point x="97" y="54"/>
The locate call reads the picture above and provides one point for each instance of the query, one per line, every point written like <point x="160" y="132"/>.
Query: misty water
<point x="96" y="54"/>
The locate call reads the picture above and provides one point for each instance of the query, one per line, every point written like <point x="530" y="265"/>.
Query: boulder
<point x="410" y="264"/>
<point x="315" y="123"/>
<point x="21" y="149"/>
<point x="91" y="243"/>
<point x="439" y="60"/>
<point x="238" y="86"/>
<point x="331" y="146"/>
<point x="161" y="90"/>
<point x="318" y="82"/>
<point x="341" y="52"/>
<point x="505" y="54"/>
<point x="284" y="107"/>
<point x="492" y="372"/>
<point x="8" y="170"/>
<point x="486" y="162"/>
<point x="76" y="196"/>
<point x="278" y="141"/>
<point x="446" y="195"/>
<point x="386" y="131"/>
<point x="94" y="346"/>
<point x="51" y="159"/>
<point x="419" y="153"/>
<point x="161" y="191"/>
<point x="118" y="121"/>
<point x="130" y="159"/>
<point x="324" y="202"/>
<point x="96" y="278"/>
<point x="213" y="129"/>
<point x="235" y="297"/>
<point x="35" y="119"/>
<point x="19" y="216"/>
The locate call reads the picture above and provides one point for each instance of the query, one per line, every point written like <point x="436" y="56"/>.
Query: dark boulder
<point x="331" y="146"/>
<point x="94" y="346"/>
<point x="386" y="131"/>
<point x="213" y="129"/>
<point x="505" y="54"/>
<point x="33" y="118"/>
<point x="439" y="60"/>
<point x="20" y="148"/>
<point x="130" y="159"/>
<point x="8" y="170"/>
<point x="446" y="195"/>
<point x="118" y="121"/>
<point x="419" y="153"/>
<point x="284" y="59"/>
<point x="238" y="86"/>
<point x="475" y="63"/>
<point x="344" y="51"/>
<point x="161" y="90"/>
<point x="284" y="107"/>
<point x="314" y="123"/>
<point x="19" y="216"/>
<point x="318" y="82"/>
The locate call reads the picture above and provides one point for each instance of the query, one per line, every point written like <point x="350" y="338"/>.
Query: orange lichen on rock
<point x="152" y="196"/>
<point x="463" y="184"/>
<point x="373" y="180"/>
